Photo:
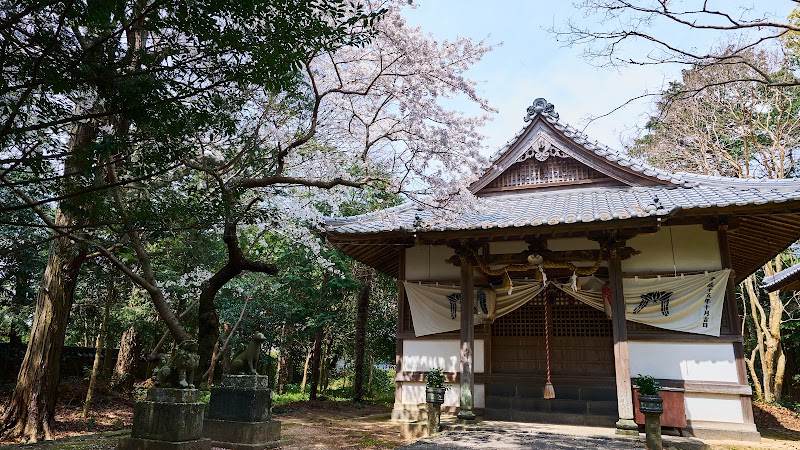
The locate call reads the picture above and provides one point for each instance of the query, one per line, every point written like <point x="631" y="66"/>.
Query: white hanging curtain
<point x="588" y="290"/>
<point x="436" y="309"/>
<point x="688" y="303"/>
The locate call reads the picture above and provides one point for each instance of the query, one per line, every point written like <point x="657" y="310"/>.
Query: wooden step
<point x="585" y="393"/>
<point x="513" y="415"/>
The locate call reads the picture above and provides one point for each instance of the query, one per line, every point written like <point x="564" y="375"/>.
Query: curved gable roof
<point x="545" y="129"/>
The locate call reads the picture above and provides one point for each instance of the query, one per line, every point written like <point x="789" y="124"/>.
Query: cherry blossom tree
<point x="369" y="117"/>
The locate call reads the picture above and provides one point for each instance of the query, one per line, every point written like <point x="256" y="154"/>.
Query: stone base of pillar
<point x="627" y="427"/>
<point x="466" y="415"/>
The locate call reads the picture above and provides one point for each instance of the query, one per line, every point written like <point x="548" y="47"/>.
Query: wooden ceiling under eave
<point x="754" y="241"/>
<point x="757" y="239"/>
<point x="381" y="254"/>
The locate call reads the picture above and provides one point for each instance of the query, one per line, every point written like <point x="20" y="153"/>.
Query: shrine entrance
<point x="581" y="363"/>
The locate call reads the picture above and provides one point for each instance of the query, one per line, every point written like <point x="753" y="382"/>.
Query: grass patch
<point x="369" y="441"/>
<point x="339" y="390"/>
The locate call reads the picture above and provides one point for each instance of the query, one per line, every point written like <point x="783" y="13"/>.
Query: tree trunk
<point x="305" y="372"/>
<point x="208" y="327"/>
<point x="315" y="364"/>
<point x="208" y="320"/>
<point x="766" y="325"/>
<point x="123" y="377"/>
<point x="82" y="315"/>
<point x="98" y="348"/>
<point x="325" y="366"/>
<point x="362" y="314"/>
<point x="30" y="414"/>
<point x="108" y="358"/>
<point x="281" y="371"/>
<point x="291" y="363"/>
<point x="226" y="353"/>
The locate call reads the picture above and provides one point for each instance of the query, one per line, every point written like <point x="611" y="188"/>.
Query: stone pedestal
<point x="168" y="419"/>
<point x="240" y="414"/>
<point x="434" y="417"/>
<point x="652" y="431"/>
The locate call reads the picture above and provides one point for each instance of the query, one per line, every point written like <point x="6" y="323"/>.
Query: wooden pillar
<point x="734" y="323"/>
<point x="622" y="366"/>
<point x="467" y="387"/>
<point x="401" y="299"/>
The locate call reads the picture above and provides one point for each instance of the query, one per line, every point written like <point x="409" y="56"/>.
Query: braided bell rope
<point x="547" y="334"/>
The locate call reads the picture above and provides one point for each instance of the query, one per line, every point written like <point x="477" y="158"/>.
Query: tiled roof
<point x="683" y="191"/>
<point x="782" y="278"/>
<point x="589" y="204"/>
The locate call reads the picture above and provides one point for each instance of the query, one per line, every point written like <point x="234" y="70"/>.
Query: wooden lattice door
<point x="581" y="340"/>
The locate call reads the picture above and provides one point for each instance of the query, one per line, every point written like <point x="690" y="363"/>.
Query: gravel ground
<point x="518" y="439"/>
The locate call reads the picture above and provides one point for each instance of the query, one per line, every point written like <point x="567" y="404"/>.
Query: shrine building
<point x="583" y="267"/>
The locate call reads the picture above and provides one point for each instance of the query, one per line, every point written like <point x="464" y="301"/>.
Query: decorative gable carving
<point x="543" y="147"/>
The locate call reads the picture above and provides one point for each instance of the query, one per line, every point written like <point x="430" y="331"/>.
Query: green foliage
<point x="435" y="378"/>
<point x="383" y="385"/>
<point x="22" y="263"/>
<point x="647" y="384"/>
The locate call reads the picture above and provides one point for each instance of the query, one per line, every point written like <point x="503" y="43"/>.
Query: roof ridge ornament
<point x="542" y="106"/>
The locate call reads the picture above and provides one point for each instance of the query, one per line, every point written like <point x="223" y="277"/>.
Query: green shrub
<point x="647" y="385"/>
<point x="435" y="378"/>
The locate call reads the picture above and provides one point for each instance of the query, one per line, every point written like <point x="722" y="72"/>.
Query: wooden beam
<point x="556" y="256"/>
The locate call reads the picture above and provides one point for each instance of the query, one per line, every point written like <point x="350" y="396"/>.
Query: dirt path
<point x="336" y="425"/>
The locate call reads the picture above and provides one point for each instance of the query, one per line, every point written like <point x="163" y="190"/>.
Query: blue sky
<point x="530" y="63"/>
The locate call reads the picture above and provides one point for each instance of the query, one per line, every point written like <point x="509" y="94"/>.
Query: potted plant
<point x="649" y="400"/>
<point x="434" y="386"/>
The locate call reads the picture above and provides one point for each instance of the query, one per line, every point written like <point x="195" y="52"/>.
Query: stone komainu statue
<point x="177" y="370"/>
<point x="246" y="361"/>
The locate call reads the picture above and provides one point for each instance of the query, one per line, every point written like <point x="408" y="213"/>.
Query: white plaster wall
<point x="424" y="355"/>
<point x="426" y="263"/>
<point x="683" y="361"/>
<point x="567" y="244"/>
<point x="714" y="407"/>
<point x="694" y="249"/>
<point x="414" y="394"/>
